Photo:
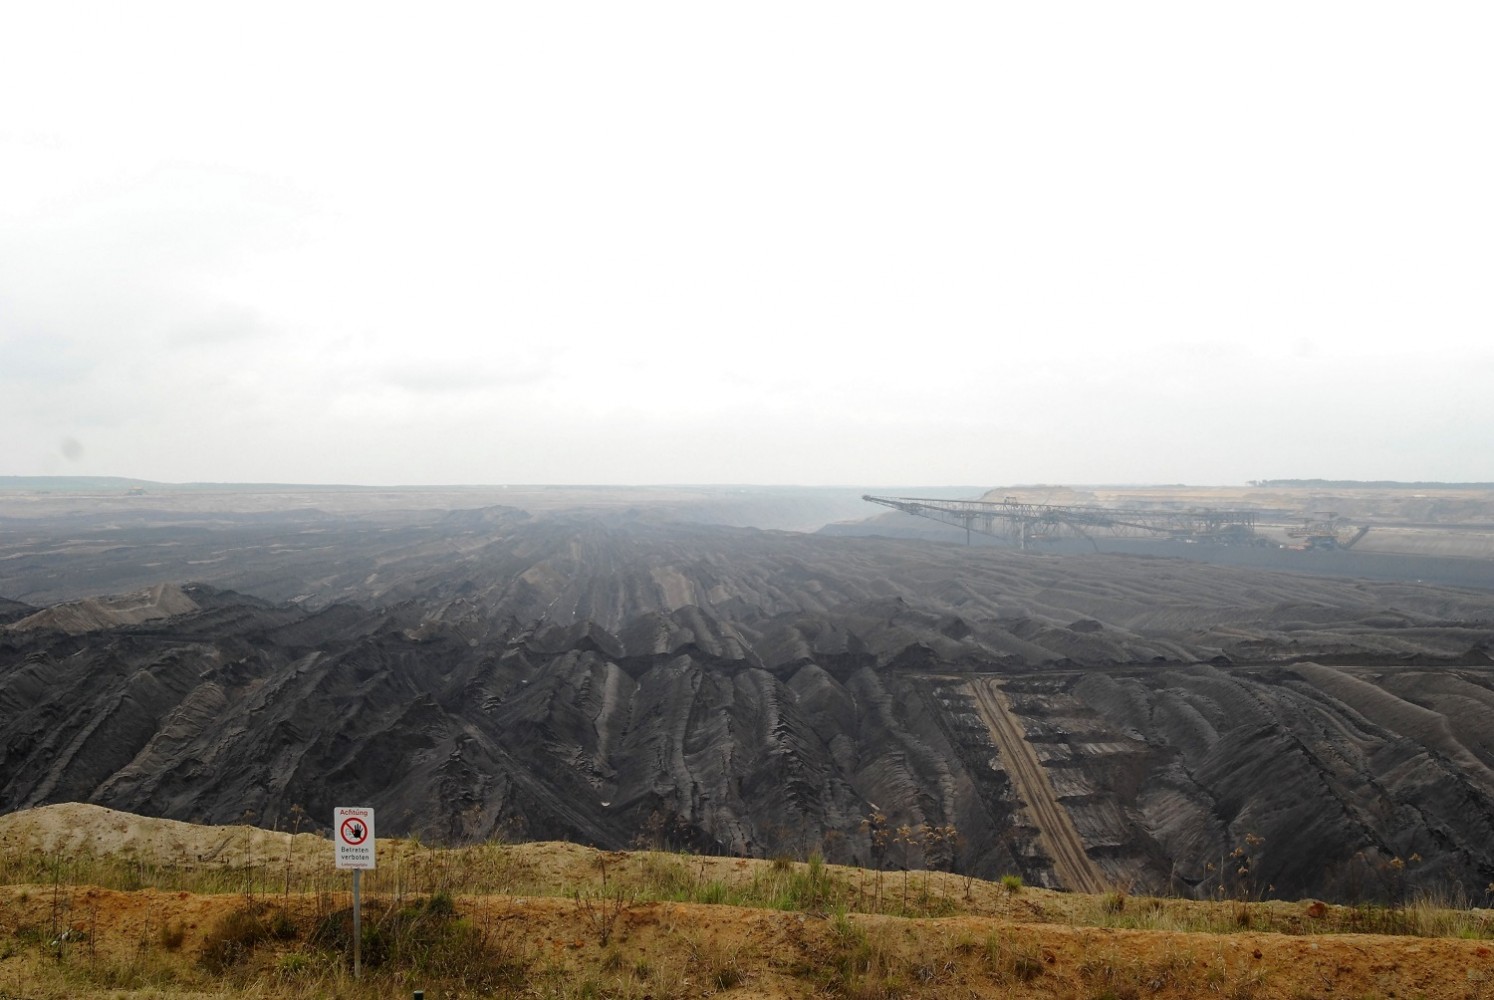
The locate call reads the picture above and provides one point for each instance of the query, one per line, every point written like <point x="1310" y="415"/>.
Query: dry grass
<point x="562" y="921"/>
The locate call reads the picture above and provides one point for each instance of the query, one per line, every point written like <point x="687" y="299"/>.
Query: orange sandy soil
<point x="684" y="947"/>
<point x="541" y="909"/>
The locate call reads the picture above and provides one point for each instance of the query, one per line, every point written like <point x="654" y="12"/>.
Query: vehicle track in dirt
<point x="1056" y="830"/>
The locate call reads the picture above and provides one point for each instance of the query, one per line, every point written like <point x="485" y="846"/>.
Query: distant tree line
<point x="1391" y="484"/>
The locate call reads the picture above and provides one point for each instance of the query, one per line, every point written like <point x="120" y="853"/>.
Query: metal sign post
<point x="353" y="835"/>
<point x="357" y="925"/>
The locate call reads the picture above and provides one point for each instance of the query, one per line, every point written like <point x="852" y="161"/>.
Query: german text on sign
<point x="353" y="833"/>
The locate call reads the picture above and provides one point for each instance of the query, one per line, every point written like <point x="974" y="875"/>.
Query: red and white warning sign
<point x="353" y="833"/>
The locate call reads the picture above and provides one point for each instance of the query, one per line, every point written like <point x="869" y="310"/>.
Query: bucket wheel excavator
<point x="1326" y="530"/>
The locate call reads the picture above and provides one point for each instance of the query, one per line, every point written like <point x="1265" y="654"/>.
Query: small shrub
<point x="30" y="934"/>
<point x="664" y="876"/>
<point x="171" y="936"/>
<point x="726" y="977"/>
<point x="844" y="931"/>
<point x="714" y="893"/>
<point x="233" y="937"/>
<point x="1012" y="884"/>
<point x="424" y="939"/>
<point x="1010" y="959"/>
<point x="1027" y="967"/>
<point x="282" y="927"/>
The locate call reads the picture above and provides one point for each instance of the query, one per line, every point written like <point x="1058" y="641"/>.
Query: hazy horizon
<point x="9" y="482"/>
<point x="767" y="244"/>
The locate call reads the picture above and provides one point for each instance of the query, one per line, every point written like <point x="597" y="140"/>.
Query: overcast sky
<point x="802" y="242"/>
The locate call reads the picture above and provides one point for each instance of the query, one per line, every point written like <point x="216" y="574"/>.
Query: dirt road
<point x="1056" y="828"/>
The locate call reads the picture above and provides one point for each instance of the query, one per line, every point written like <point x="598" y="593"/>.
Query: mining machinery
<point x="1326" y="530"/>
<point x="1029" y="522"/>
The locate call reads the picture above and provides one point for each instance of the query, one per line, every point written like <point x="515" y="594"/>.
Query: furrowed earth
<point x="622" y="668"/>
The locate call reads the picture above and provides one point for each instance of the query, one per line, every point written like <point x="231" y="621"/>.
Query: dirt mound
<point x="75" y="829"/>
<point x="95" y="613"/>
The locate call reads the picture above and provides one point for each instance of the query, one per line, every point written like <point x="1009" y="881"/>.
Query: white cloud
<point x="842" y="242"/>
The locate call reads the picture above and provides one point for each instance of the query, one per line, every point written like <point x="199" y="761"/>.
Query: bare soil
<point x="576" y="922"/>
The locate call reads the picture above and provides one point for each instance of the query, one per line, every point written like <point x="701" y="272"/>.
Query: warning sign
<point x="353" y="832"/>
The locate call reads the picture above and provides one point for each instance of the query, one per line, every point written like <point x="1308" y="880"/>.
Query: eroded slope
<point x="609" y="679"/>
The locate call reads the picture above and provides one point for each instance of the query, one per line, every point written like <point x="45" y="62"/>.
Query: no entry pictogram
<point x="353" y="836"/>
<point x="353" y="832"/>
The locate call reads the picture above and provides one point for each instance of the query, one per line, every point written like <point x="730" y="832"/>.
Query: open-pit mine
<point x="613" y="668"/>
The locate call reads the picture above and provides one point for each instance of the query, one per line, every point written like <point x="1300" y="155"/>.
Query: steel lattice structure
<point x="1028" y="522"/>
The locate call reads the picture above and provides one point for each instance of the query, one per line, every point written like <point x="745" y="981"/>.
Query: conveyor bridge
<point x="1028" y="522"/>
